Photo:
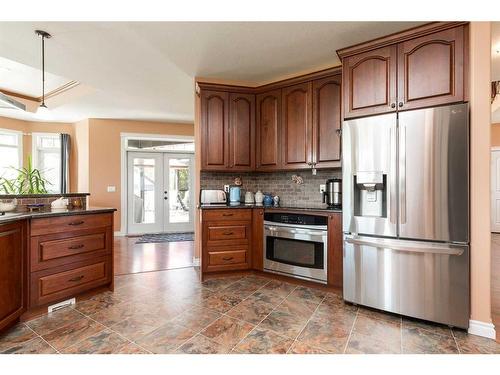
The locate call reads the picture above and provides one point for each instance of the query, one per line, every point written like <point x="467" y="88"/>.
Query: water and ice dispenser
<point x="370" y="194"/>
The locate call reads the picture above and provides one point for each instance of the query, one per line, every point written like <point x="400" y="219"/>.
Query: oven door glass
<point x="301" y="253"/>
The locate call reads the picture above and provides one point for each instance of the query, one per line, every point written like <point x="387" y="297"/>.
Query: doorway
<point x="159" y="192"/>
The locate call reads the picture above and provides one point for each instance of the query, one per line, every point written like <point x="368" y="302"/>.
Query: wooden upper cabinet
<point x="214" y="129"/>
<point x="13" y="262"/>
<point x="369" y="81"/>
<point x="297" y="126"/>
<point x="431" y="69"/>
<point x="268" y="130"/>
<point x="327" y="120"/>
<point x="242" y="132"/>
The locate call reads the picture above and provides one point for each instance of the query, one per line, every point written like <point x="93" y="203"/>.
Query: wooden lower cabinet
<point x="13" y="291"/>
<point x="335" y="250"/>
<point x="69" y="255"/>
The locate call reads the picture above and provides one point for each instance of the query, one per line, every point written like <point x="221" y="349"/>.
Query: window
<point x="47" y="158"/>
<point x="11" y="152"/>
<point x="159" y="145"/>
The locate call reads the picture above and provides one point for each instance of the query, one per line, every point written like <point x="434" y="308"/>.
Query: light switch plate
<point x="322" y="188"/>
<point x="111" y="189"/>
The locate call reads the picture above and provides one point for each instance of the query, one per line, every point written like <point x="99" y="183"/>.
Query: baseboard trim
<point x="482" y="329"/>
<point x="119" y="234"/>
<point x="196" y="262"/>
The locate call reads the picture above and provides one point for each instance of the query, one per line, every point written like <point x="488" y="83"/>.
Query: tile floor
<point x="172" y="312"/>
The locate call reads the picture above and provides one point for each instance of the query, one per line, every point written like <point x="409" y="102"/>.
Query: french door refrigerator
<point x="406" y="213"/>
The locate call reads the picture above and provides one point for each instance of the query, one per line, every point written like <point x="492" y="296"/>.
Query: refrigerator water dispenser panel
<point x="370" y="192"/>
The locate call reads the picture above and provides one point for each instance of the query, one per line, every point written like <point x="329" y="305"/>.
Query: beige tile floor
<point x="172" y="312"/>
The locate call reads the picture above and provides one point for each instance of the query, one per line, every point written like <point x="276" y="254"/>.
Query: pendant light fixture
<point x="43" y="112"/>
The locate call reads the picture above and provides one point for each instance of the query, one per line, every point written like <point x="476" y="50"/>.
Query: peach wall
<point x="104" y="165"/>
<point x="28" y="127"/>
<point x="495" y="134"/>
<point x="480" y="50"/>
<point x="81" y="145"/>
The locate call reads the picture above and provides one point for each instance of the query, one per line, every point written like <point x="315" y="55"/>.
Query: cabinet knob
<point x="400" y="104"/>
<point x="393" y="105"/>
<point x="339" y="132"/>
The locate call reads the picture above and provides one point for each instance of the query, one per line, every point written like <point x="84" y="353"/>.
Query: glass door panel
<point x="179" y="180"/>
<point x="145" y="190"/>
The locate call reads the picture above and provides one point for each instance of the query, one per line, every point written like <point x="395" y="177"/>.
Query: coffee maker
<point x="332" y="195"/>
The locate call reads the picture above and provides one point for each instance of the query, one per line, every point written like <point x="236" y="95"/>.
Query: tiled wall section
<point x="22" y="202"/>
<point x="277" y="183"/>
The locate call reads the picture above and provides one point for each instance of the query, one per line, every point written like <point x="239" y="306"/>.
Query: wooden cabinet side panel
<point x="335" y="250"/>
<point x="257" y="248"/>
<point x="13" y="272"/>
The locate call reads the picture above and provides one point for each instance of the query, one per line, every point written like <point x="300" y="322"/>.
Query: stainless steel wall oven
<point x="296" y="245"/>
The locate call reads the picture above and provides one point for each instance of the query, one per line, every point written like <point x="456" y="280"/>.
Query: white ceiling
<point x="145" y="70"/>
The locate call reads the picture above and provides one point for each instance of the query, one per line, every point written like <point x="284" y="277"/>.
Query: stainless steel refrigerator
<point x="406" y="213"/>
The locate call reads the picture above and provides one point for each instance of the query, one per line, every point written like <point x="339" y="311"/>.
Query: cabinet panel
<point x="297" y="126"/>
<point x="214" y="129"/>
<point x="242" y="130"/>
<point x="431" y="69"/>
<point x="327" y="120"/>
<point x="369" y="82"/>
<point x="268" y="130"/>
<point x="13" y="289"/>
<point x="64" y="224"/>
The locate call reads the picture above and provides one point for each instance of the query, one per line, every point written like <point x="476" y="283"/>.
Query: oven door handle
<point x="296" y="231"/>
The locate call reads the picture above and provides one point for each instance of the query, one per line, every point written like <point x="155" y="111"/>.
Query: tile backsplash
<point x="276" y="183"/>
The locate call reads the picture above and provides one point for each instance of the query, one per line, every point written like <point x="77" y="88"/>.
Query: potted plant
<point x="28" y="181"/>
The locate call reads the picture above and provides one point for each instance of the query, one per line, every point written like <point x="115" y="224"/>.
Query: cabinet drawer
<point x="227" y="214"/>
<point x="217" y="258"/>
<point x="57" y="249"/>
<point x="64" y="282"/>
<point x="61" y="224"/>
<point x="227" y="232"/>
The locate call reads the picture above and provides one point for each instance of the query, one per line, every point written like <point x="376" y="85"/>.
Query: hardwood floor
<point x="495" y="281"/>
<point x="134" y="258"/>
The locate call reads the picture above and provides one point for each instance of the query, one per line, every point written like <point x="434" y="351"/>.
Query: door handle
<point x="410" y="248"/>
<point x="227" y="214"/>
<point x="76" y="222"/>
<point x="227" y="258"/>
<point x="228" y="233"/>
<point x="75" y="247"/>
<point x="75" y="279"/>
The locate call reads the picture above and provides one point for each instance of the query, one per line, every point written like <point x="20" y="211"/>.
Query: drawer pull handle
<point x="228" y="233"/>
<point x="227" y="258"/>
<point x="227" y="214"/>
<point x="75" y="279"/>
<point x="76" y="222"/>
<point x="75" y="247"/>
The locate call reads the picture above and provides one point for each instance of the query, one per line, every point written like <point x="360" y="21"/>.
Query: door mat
<point x="166" y="237"/>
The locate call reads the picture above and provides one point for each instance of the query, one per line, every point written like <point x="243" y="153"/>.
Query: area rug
<point x="165" y="237"/>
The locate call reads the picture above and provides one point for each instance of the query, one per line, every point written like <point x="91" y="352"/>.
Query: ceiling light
<point x="43" y="112"/>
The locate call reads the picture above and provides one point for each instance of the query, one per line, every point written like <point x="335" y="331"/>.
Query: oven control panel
<point x="295" y="218"/>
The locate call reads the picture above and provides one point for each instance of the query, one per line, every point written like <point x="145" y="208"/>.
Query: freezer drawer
<point x="419" y="279"/>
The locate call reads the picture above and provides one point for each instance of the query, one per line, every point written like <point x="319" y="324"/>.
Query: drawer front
<point x="227" y="214"/>
<point x="64" y="282"/>
<point x="227" y="232"/>
<point x="217" y="258"/>
<point x="58" y="249"/>
<point x="61" y="224"/>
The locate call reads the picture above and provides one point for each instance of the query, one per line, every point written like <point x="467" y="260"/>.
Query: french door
<point x="159" y="192"/>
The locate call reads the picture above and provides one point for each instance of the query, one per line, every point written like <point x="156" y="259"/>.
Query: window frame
<point x="20" y="140"/>
<point x="34" y="147"/>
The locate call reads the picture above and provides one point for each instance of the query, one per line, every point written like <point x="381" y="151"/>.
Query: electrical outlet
<point x="322" y="188"/>
<point x="111" y="189"/>
<point x="226" y="188"/>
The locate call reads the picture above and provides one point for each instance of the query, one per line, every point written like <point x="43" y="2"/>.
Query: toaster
<point x="208" y="196"/>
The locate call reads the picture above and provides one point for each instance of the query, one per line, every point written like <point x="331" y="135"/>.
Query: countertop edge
<point x="270" y="208"/>
<point x="38" y="215"/>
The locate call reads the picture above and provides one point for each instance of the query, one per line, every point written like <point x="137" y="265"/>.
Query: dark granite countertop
<point x="14" y="216"/>
<point x="269" y="208"/>
<point x="25" y="196"/>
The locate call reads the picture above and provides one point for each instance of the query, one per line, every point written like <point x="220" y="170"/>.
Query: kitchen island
<point x="50" y="256"/>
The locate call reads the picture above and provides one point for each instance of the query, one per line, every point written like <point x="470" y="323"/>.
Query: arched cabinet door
<point x="242" y="131"/>
<point x="369" y="82"/>
<point x="431" y="69"/>
<point x="268" y="129"/>
<point x="214" y="130"/>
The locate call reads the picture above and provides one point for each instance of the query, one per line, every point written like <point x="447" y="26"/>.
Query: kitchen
<point x="344" y="214"/>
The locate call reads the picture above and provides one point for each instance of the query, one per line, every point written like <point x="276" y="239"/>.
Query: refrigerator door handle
<point x="406" y="247"/>
<point x="402" y="174"/>
<point x="393" y="182"/>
